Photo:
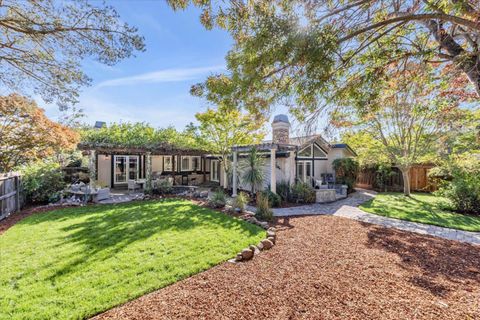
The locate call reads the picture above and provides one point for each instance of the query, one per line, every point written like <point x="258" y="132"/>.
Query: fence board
<point x="10" y="194"/>
<point x="419" y="180"/>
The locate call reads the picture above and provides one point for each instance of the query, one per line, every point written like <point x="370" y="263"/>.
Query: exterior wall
<point x="157" y="164"/>
<point x="104" y="170"/>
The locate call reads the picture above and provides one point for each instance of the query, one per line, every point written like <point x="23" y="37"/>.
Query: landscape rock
<point x="273" y="240"/>
<point x="272" y="229"/>
<point x="239" y="257"/>
<point x="247" y="254"/>
<point x="260" y="246"/>
<point x="254" y="249"/>
<point x="271" y="234"/>
<point x="267" y="244"/>
<point x="264" y="225"/>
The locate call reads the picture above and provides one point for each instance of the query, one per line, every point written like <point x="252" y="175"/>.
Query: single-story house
<point x="112" y="166"/>
<point x="308" y="159"/>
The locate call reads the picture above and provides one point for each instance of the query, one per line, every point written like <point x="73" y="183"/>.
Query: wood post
<point x="148" y="172"/>
<point x="91" y="167"/>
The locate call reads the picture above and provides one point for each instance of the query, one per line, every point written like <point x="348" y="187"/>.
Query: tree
<point x="404" y="113"/>
<point x="306" y="53"/>
<point x="44" y="42"/>
<point x="27" y="134"/>
<point x="221" y="129"/>
<point x="253" y="170"/>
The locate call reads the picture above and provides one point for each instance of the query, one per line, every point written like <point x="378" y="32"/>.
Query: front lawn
<point x="76" y="262"/>
<point x="420" y="207"/>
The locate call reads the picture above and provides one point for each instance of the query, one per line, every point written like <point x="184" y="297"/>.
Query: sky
<point x="154" y="86"/>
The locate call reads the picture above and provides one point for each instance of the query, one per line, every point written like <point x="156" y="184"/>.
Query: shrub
<point x="42" y="181"/>
<point x="241" y="201"/>
<point x="463" y="190"/>
<point x="218" y="199"/>
<point x="346" y="170"/>
<point x="284" y="190"/>
<point x="164" y="187"/>
<point x="274" y="200"/>
<point x="303" y="192"/>
<point x="263" y="213"/>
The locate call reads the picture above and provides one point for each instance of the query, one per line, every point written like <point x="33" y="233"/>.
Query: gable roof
<point x="343" y="146"/>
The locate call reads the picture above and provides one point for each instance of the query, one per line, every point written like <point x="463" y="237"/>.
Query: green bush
<point x="263" y="213"/>
<point x="241" y="201"/>
<point x="274" y="200"/>
<point x="303" y="192"/>
<point x="346" y="170"/>
<point x="218" y="199"/>
<point x="284" y="190"/>
<point x="164" y="187"/>
<point x="463" y="190"/>
<point x="42" y="181"/>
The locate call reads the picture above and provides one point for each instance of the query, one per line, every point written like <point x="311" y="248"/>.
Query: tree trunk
<point x="406" y="180"/>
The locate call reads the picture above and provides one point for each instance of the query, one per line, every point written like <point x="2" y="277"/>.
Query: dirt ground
<point x="326" y="267"/>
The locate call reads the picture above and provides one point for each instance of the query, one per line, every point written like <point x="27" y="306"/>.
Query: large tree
<point x="403" y="112"/>
<point x="305" y="53"/>
<point x="222" y="128"/>
<point x="43" y="43"/>
<point x="27" y="134"/>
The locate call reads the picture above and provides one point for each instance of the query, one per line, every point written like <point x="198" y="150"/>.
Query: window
<point x="185" y="164"/>
<point x="214" y="170"/>
<point x="167" y="163"/>
<point x="304" y="171"/>
<point x="306" y="152"/>
<point x="196" y="164"/>
<point x="317" y="152"/>
<point x="126" y="167"/>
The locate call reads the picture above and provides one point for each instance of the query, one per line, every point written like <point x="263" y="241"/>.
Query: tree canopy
<point x="139" y="135"/>
<point x="305" y="54"/>
<point x="27" y="134"/>
<point x="44" y="42"/>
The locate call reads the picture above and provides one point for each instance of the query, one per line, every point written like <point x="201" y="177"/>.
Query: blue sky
<point x="154" y="86"/>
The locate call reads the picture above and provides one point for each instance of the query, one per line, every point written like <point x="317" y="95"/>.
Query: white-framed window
<point x="126" y="168"/>
<point x="318" y="153"/>
<point x="196" y="164"/>
<point x="306" y="152"/>
<point x="214" y="164"/>
<point x="312" y="151"/>
<point x="185" y="164"/>
<point x="304" y="170"/>
<point x="167" y="163"/>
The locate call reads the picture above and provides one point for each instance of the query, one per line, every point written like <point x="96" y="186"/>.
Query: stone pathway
<point x="348" y="208"/>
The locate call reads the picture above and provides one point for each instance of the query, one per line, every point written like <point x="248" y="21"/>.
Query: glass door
<point x="304" y="171"/>
<point x="126" y="167"/>
<point x="214" y="170"/>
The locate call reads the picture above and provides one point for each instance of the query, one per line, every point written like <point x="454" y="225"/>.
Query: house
<point x="113" y="166"/>
<point x="308" y="159"/>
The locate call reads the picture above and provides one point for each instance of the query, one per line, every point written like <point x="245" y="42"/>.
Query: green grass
<point x="420" y="207"/>
<point x="74" y="263"/>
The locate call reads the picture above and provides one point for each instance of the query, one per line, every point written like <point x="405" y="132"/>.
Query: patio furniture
<point x="133" y="185"/>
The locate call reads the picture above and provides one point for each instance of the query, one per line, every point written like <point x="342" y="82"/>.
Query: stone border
<point x="252" y="250"/>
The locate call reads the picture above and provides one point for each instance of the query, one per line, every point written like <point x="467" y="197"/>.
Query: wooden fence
<point x="11" y="199"/>
<point x="419" y="180"/>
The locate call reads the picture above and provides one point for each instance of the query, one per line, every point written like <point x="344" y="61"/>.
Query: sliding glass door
<point x="126" y="168"/>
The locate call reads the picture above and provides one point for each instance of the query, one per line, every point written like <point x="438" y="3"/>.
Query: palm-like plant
<point x="253" y="170"/>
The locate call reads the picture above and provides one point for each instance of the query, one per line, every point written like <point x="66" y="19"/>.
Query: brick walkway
<point x="348" y="208"/>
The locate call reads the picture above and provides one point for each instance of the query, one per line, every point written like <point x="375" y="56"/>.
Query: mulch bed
<point x="326" y="267"/>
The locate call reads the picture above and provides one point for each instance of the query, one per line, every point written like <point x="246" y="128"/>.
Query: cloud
<point x="166" y="75"/>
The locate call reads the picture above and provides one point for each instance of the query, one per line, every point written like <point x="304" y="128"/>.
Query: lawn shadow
<point x="114" y="227"/>
<point x="433" y="260"/>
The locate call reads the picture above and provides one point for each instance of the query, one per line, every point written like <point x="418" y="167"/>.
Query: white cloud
<point x="166" y="75"/>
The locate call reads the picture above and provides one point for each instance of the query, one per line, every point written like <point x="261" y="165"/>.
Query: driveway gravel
<point x="327" y="267"/>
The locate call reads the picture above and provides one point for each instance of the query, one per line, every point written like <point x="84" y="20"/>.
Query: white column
<point x="234" y="175"/>
<point x="273" y="169"/>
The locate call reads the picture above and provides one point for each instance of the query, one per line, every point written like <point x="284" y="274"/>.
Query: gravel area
<point x="327" y="267"/>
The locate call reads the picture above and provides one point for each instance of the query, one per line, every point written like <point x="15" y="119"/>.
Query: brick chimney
<point x="281" y="129"/>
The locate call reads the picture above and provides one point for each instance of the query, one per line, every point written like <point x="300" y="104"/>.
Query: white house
<point x="308" y="159"/>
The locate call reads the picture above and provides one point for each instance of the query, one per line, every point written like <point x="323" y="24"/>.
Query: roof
<point x="343" y="146"/>
<point x="281" y="118"/>
<point x="99" y="124"/>
<point x="157" y="149"/>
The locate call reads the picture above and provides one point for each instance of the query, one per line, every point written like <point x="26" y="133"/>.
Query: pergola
<point x="160" y="149"/>
<point x="263" y="147"/>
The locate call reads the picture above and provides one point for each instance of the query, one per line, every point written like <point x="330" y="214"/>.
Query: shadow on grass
<point x="111" y="228"/>
<point x="432" y="260"/>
